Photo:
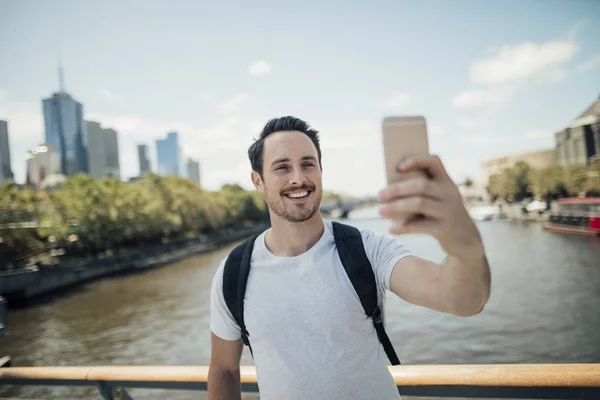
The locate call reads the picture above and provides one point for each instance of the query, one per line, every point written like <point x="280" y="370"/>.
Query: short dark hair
<point x="289" y="123"/>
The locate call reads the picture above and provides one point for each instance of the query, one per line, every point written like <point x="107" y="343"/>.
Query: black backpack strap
<point x="235" y="277"/>
<point x="351" y="250"/>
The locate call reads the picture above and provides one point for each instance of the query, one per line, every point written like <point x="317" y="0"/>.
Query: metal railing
<point x="531" y="381"/>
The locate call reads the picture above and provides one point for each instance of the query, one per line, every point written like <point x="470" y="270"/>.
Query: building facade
<point x="42" y="162"/>
<point x="144" y="160"/>
<point x="103" y="155"/>
<point x="579" y="143"/>
<point x="5" y="164"/>
<point x="65" y="130"/>
<point x="539" y="159"/>
<point x="193" y="170"/>
<point x="168" y="155"/>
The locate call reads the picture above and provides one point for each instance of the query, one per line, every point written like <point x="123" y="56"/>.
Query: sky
<point x="490" y="78"/>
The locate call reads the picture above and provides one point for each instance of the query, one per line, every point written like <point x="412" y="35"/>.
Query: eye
<point x="281" y="167"/>
<point x="308" y="164"/>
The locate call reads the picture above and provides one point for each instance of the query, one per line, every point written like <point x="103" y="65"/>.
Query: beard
<point x="278" y="204"/>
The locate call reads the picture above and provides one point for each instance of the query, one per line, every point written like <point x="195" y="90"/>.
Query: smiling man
<point x="302" y="318"/>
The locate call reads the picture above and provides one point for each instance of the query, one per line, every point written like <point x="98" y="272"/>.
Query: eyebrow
<point x="285" y="159"/>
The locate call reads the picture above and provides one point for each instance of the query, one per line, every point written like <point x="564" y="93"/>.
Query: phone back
<point x="403" y="137"/>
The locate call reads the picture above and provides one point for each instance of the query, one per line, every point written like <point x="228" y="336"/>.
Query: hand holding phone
<point x="403" y="137"/>
<point x="420" y="196"/>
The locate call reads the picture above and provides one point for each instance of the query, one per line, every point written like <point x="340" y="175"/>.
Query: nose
<point x="297" y="177"/>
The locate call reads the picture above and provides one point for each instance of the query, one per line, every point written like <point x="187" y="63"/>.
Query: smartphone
<point x="403" y="137"/>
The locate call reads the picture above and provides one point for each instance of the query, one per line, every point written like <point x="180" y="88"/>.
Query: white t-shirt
<point x="309" y="332"/>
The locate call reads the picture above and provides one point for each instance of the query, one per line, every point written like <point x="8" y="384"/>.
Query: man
<point x="310" y="336"/>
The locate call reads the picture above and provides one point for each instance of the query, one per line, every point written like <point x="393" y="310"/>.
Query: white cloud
<point x="220" y="144"/>
<point x="259" y="68"/>
<point x="537" y="134"/>
<point x="24" y="119"/>
<point x="479" y="139"/>
<point x="517" y="62"/>
<point x="436" y="130"/>
<point x="468" y="123"/>
<point x="590" y="64"/>
<point x="350" y="136"/>
<point x="25" y="130"/>
<point x="109" y="96"/>
<point x="556" y="75"/>
<point x="233" y="104"/>
<point x="502" y="73"/>
<point x="481" y="97"/>
<point x="138" y="125"/>
<point x="398" y="100"/>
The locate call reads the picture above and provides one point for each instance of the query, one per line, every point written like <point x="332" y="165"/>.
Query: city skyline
<point x="68" y="136"/>
<point x="64" y="129"/>
<point x="485" y="90"/>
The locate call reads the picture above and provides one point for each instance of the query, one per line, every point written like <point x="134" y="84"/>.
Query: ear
<point x="257" y="181"/>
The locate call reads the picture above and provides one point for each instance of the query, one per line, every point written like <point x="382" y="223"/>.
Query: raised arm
<point x="461" y="284"/>
<point x="454" y="287"/>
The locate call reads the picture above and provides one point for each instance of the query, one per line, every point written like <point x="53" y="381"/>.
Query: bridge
<point x="342" y="208"/>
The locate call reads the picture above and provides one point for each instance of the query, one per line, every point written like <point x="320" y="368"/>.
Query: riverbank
<point x="21" y="285"/>
<point x="513" y="212"/>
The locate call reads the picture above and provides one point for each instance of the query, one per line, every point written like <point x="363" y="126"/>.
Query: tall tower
<point x="65" y="129"/>
<point x="144" y="159"/>
<point x="5" y="165"/>
<point x="193" y="170"/>
<point x="168" y="155"/>
<point x="103" y="161"/>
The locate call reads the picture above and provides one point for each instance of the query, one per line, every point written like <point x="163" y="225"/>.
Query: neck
<point x="289" y="239"/>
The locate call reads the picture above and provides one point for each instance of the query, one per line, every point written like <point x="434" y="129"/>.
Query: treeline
<point x="521" y="181"/>
<point x="87" y="215"/>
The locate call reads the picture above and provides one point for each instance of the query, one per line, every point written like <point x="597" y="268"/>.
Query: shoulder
<point x="377" y="245"/>
<point x="376" y="241"/>
<point x="383" y="252"/>
<point x="218" y="275"/>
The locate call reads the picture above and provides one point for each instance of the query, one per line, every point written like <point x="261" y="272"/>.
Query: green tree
<point x="87" y="215"/>
<point x="549" y="182"/>
<point x="17" y="242"/>
<point x="576" y="179"/>
<point x="592" y="185"/>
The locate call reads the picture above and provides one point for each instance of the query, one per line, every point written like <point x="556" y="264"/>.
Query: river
<point x="544" y="308"/>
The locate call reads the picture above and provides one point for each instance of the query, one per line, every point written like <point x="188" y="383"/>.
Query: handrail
<point x="532" y="375"/>
<point x="545" y="378"/>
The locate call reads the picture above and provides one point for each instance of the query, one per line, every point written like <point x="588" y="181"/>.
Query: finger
<point x="422" y="225"/>
<point x="411" y="205"/>
<point x="411" y="187"/>
<point x="432" y="163"/>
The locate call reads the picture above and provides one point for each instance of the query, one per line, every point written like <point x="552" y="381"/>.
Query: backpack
<point x="351" y="250"/>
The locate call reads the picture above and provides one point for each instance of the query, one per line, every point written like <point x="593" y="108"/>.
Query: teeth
<point x="298" y="194"/>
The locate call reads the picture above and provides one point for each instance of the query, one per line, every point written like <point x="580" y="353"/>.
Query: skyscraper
<point x="42" y="162"/>
<point x="103" y="158"/>
<point x="5" y="165"/>
<point x="579" y="142"/>
<point x="143" y="159"/>
<point x="168" y="155"/>
<point x="63" y="119"/>
<point x="193" y="170"/>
